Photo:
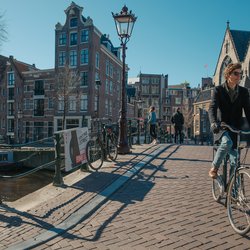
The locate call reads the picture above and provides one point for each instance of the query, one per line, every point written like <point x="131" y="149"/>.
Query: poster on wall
<point x="75" y="141"/>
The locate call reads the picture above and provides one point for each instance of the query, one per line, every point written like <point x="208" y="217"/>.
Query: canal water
<point x="14" y="189"/>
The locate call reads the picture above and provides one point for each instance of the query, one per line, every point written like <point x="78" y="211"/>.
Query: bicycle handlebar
<point x="234" y="130"/>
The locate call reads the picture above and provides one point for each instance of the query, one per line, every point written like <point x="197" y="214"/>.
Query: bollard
<point x="58" y="180"/>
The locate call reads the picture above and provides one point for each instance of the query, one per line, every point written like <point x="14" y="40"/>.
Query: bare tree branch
<point x="67" y="84"/>
<point x="3" y="31"/>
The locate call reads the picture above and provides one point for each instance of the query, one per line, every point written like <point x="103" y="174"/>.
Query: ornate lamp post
<point x="124" y="22"/>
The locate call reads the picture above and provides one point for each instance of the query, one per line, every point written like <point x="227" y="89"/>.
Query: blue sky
<point x="181" y="38"/>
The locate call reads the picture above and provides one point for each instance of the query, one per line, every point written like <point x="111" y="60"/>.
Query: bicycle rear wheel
<point x="238" y="202"/>
<point x="112" y="149"/>
<point x="94" y="154"/>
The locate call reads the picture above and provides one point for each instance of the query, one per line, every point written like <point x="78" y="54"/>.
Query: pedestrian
<point x="152" y="124"/>
<point x="178" y="121"/>
<point x="227" y="105"/>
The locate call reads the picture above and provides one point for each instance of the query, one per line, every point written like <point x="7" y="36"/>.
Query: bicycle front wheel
<point x="238" y="202"/>
<point x="217" y="188"/>
<point x="94" y="154"/>
<point x="112" y="149"/>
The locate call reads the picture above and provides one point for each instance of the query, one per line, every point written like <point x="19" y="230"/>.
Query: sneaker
<point x="213" y="173"/>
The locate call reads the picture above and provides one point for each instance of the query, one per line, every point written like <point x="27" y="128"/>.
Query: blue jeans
<point x="225" y="148"/>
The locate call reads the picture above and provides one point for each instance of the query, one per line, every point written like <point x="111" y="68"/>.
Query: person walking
<point x="152" y="124"/>
<point x="178" y="121"/>
<point x="227" y="105"/>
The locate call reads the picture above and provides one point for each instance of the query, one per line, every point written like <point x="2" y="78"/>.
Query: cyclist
<point x="228" y="102"/>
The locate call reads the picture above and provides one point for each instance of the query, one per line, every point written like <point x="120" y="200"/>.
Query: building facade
<point x="85" y="83"/>
<point x="235" y="48"/>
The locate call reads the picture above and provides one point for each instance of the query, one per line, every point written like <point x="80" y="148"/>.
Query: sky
<point x="178" y="38"/>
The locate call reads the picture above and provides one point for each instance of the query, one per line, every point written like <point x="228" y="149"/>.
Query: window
<point x="95" y="104"/>
<point x="72" y="103"/>
<point x="107" y="68"/>
<point x="11" y="125"/>
<point x="111" y="87"/>
<point x="155" y="90"/>
<point x="84" y="102"/>
<point x="110" y="108"/>
<point x="62" y="38"/>
<point x="73" y="22"/>
<point x="84" y="56"/>
<point x="11" y="78"/>
<point x="118" y="76"/>
<point x="50" y="129"/>
<point x="28" y="104"/>
<point x="111" y="70"/>
<point x="10" y="108"/>
<point x="73" y="38"/>
<point x="61" y="104"/>
<point x="73" y="58"/>
<point x="84" y="36"/>
<point x="145" y="89"/>
<point x="145" y="80"/>
<point x="84" y="78"/>
<point x="10" y="93"/>
<point x="107" y="86"/>
<point x="39" y="107"/>
<point x="50" y="103"/>
<point x="177" y="100"/>
<point x="106" y="107"/>
<point x="97" y="60"/>
<point x="62" y="58"/>
<point x="39" y="87"/>
<point x="59" y="125"/>
<point x="38" y="131"/>
<point x="72" y="123"/>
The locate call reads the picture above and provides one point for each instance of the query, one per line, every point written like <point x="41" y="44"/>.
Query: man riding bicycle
<point x="228" y="102"/>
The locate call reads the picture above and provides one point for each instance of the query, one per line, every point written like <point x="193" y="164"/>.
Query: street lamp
<point x="124" y="22"/>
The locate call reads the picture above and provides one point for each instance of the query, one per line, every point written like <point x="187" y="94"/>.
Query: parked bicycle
<point x="235" y="187"/>
<point x="102" y="144"/>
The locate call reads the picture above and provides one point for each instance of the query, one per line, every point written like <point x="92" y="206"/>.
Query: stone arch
<point x="224" y="64"/>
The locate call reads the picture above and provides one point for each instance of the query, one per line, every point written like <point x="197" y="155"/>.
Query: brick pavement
<point x="167" y="205"/>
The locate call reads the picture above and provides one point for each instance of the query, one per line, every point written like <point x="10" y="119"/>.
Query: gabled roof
<point x="241" y="41"/>
<point x="204" y="96"/>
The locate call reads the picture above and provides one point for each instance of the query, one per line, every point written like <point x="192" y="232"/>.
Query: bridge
<point x="157" y="197"/>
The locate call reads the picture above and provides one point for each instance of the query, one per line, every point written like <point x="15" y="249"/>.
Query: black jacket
<point x="178" y="119"/>
<point x="222" y="109"/>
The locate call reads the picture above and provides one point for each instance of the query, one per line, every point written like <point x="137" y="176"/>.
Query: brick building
<point x="32" y="104"/>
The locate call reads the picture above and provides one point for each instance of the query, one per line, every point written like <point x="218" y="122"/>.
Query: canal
<point x="14" y="189"/>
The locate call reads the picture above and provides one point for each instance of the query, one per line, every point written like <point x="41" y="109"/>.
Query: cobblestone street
<point x="167" y="205"/>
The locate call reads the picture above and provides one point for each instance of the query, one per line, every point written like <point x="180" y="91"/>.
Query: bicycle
<point x="235" y="187"/>
<point x="101" y="145"/>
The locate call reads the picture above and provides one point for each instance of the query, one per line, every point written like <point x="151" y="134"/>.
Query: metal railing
<point x="138" y="133"/>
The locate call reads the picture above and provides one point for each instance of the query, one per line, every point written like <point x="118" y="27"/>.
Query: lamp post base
<point x="123" y="149"/>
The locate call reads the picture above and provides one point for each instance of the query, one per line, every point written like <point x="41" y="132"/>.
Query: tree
<point x="187" y="112"/>
<point x="3" y="32"/>
<point x="67" y="86"/>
